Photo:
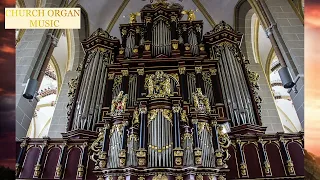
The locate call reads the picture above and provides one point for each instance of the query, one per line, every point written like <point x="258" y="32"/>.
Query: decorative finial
<point x="190" y="13"/>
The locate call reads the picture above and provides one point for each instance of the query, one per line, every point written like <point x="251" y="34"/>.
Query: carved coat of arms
<point x="119" y="104"/>
<point x="158" y="85"/>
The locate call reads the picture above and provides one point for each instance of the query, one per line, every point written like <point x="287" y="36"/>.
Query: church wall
<point x="27" y="53"/>
<point x="59" y="119"/>
<point x="292" y="31"/>
<point x="269" y="114"/>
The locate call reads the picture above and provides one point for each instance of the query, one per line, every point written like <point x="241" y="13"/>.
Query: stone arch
<point x="75" y="57"/>
<point x="243" y="23"/>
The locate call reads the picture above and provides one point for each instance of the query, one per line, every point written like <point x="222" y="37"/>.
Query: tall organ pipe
<point x="236" y="92"/>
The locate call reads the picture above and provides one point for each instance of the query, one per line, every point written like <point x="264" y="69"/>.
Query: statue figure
<point x="201" y="102"/>
<point x="133" y="17"/>
<point x="190" y="13"/>
<point x="119" y="103"/>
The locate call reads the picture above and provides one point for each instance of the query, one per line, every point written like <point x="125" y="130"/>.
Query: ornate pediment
<point x="158" y="85"/>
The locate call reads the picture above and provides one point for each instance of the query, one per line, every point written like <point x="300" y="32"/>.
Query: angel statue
<point x="133" y="17"/>
<point x="190" y="13"/>
<point x="118" y="105"/>
<point x="201" y="102"/>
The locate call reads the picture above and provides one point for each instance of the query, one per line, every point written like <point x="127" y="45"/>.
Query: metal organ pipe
<point x="236" y="93"/>
<point x="161" y="39"/>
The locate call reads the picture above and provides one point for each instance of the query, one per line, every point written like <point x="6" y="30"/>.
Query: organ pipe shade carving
<point x="235" y="89"/>
<point x="90" y="97"/>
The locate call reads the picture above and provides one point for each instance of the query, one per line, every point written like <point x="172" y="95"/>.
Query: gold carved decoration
<point x="182" y="70"/>
<point x="221" y="178"/>
<point x="175" y="45"/>
<point x="199" y="177"/>
<point x="133" y="17"/>
<point x="135" y="119"/>
<point x="167" y="114"/>
<point x="158" y="85"/>
<point x="176" y="109"/>
<point x="198" y="69"/>
<point x="120" y="178"/>
<point x="119" y="104"/>
<point x="141" y="178"/>
<point x="58" y="171"/>
<point x="80" y="171"/>
<point x="111" y="76"/>
<point x="147" y="47"/>
<point x="201" y="102"/>
<point x="125" y="72"/>
<point x="37" y="168"/>
<point x="97" y="155"/>
<point x="140" y="71"/>
<point x="141" y="156"/>
<point x="213" y="71"/>
<point x="267" y="167"/>
<point x="290" y="167"/>
<point x="183" y="115"/>
<point x="243" y="169"/>
<point x="190" y="13"/>
<point x="160" y="177"/>
<point x="222" y="154"/>
<point x="179" y="177"/>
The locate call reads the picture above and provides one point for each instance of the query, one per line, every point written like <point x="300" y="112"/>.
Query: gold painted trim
<point x="47" y="123"/>
<point x="204" y="12"/>
<point x="58" y="73"/>
<point x="256" y="39"/>
<point x="297" y="10"/>
<point x="117" y="15"/>
<point x="270" y="58"/>
<point x="20" y="35"/>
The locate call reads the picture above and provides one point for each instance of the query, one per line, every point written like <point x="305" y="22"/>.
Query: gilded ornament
<point x="135" y="50"/>
<point x="182" y="70"/>
<point x="179" y="177"/>
<point x="243" y="169"/>
<point x="183" y="115"/>
<point x="135" y="118"/>
<point x="176" y="109"/>
<point x="199" y="177"/>
<point x="37" y="168"/>
<point x="125" y="72"/>
<point x="160" y="177"/>
<point x="201" y="102"/>
<point x="290" y="167"/>
<point x="120" y="178"/>
<point x="111" y="76"/>
<point x="175" y="46"/>
<point x="143" y="110"/>
<point x="133" y="17"/>
<point x="58" y="171"/>
<point x="80" y="171"/>
<point x="158" y="85"/>
<point x="140" y="71"/>
<point x="141" y="162"/>
<point x="221" y="178"/>
<point x="213" y="71"/>
<point x="198" y="69"/>
<point x="178" y="161"/>
<point x="141" y="178"/>
<point x="147" y="47"/>
<point x="190" y="13"/>
<point x="187" y="47"/>
<point x="267" y="167"/>
<point x="119" y="104"/>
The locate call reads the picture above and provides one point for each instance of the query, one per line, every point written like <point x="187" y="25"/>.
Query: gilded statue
<point x="190" y="13"/>
<point x="201" y="102"/>
<point x="119" y="103"/>
<point x="133" y="17"/>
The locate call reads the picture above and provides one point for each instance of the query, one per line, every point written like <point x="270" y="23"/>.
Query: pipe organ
<point x="156" y="106"/>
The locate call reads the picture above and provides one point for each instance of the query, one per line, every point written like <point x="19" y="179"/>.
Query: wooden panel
<point x="72" y="163"/>
<point x="297" y="157"/>
<point x="232" y="164"/>
<point x="275" y="160"/>
<point x="51" y="163"/>
<point x="253" y="161"/>
<point x="29" y="163"/>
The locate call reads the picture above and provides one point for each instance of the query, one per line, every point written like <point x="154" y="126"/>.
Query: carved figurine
<point x="133" y="17"/>
<point x="201" y="102"/>
<point x="190" y="13"/>
<point x="158" y="85"/>
<point x="119" y="104"/>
